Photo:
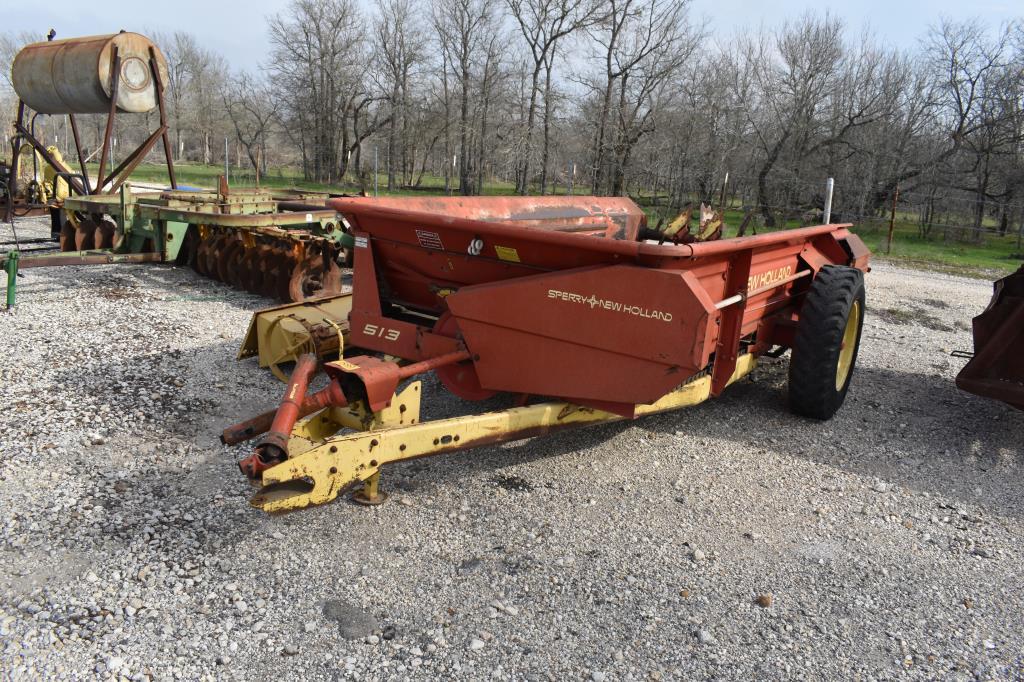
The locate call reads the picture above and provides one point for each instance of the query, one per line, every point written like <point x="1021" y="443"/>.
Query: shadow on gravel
<point x="162" y="282"/>
<point x="186" y="393"/>
<point x="915" y="430"/>
<point x="491" y="461"/>
<point x="173" y="459"/>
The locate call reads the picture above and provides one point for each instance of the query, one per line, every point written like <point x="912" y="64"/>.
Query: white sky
<point x="238" y="29"/>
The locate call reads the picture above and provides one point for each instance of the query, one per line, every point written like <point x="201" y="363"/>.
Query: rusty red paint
<point x="603" y="322"/>
<point x="274" y="446"/>
<point x="612" y="217"/>
<point x="379" y="379"/>
<point x="997" y="368"/>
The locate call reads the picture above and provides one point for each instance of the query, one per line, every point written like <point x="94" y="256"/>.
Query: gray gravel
<point x="729" y="541"/>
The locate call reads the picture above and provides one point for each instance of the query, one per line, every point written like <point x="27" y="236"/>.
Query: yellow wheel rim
<point x="849" y="345"/>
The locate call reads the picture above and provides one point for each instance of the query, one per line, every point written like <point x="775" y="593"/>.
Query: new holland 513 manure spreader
<point x="578" y="329"/>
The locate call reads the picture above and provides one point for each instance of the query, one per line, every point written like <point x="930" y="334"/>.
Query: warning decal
<point x="507" y="253"/>
<point x="429" y="240"/>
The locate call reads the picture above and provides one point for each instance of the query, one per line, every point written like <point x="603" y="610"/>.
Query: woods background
<point x="615" y="97"/>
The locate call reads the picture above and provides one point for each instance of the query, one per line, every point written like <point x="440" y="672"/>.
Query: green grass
<point x="990" y="258"/>
<point x="197" y="175"/>
<point x="993" y="256"/>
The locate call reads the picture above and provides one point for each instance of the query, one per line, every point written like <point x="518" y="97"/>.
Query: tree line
<point x="614" y="97"/>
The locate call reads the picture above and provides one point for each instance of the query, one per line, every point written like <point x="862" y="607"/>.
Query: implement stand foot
<point x="370" y="495"/>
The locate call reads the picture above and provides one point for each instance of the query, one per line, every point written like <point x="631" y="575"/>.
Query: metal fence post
<point x="827" y="215"/>
<point x="11" y="266"/>
<point x="374" y="170"/>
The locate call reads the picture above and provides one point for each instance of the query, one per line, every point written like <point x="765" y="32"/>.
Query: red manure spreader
<point x="581" y="321"/>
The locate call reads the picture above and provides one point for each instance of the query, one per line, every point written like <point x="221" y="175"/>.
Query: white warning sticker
<point x="429" y="240"/>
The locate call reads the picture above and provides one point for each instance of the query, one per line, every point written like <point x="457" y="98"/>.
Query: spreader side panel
<point x="622" y="333"/>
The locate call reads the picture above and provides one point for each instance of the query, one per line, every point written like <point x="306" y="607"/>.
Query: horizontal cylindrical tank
<point x="73" y="76"/>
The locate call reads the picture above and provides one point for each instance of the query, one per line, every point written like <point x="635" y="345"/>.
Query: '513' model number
<point x="381" y="332"/>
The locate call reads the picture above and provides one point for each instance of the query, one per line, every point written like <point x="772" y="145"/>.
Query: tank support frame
<point x="24" y="133"/>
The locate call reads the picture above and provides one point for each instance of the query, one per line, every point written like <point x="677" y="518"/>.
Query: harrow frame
<point x="163" y="226"/>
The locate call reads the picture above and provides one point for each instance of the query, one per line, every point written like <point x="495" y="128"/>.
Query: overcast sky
<point x="238" y="30"/>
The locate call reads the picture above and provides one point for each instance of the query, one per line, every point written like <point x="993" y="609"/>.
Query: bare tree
<point x="461" y="27"/>
<point x="643" y="45"/>
<point x="795" y="70"/>
<point x="180" y="50"/>
<point x="208" y="74"/>
<point x="543" y="24"/>
<point x="399" y="45"/>
<point x="475" y="90"/>
<point x="317" y="64"/>
<point x="251" y="111"/>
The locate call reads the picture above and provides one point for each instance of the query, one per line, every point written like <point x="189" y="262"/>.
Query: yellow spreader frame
<point x="322" y="463"/>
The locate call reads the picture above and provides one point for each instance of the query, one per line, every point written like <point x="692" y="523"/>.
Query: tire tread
<point x="812" y="390"/>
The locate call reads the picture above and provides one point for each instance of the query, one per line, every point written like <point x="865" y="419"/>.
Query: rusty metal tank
<point x="73" y="76"/>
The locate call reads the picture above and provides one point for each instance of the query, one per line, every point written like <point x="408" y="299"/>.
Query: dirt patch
<point x="914" y="316"/>
<point x="117" y="293"/>
<point x="512" y="483"/>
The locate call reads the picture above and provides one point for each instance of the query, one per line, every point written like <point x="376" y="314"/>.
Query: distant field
<point x="994" y="255"/>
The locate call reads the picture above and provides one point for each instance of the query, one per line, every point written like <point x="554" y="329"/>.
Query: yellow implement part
<point x="708" y="228"/>
<point x="56" y="187"/>
<point x="321" y="466"/>
<point x="283" y="333"/>
<point x="849" y="346"/>
<point x="317" y="428"/>
<point x="681" y="221"/>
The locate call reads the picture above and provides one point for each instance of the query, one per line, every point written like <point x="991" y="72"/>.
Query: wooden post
<point x="892" y="220"/>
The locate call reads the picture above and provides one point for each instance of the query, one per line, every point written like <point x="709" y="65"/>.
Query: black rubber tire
<point x="819" y="340"/>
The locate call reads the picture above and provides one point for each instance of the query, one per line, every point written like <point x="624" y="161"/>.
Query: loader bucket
<point x="997" y="369"/>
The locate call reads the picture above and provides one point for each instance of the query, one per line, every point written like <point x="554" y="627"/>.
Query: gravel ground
<point x="731" y="540"/>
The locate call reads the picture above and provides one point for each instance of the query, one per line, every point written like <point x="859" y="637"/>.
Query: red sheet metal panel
<point x="620" y="333"/>
<point x="612" y="217"/>
<point x="423" y="256"/>
<point x="601" y="322"/>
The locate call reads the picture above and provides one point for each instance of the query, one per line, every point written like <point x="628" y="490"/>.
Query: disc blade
<point x="67" y="237"/>
<point x="213" y="255"/>
<point x="103" y="235"/>
<point x="233" y="267"/>
<point x="84" y="236"/>
<point x="200" y="260"/>
<point x="224" y="257"/>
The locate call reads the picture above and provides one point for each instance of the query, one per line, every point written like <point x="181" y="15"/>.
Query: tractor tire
<point x="827" y="341"/>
